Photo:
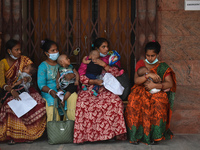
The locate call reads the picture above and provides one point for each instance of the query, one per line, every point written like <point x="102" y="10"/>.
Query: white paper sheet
<point x="60" y="94"/>
<point x="22" y="106"/>
<point x="112" y="84"/>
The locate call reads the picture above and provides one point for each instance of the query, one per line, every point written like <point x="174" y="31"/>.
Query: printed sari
<point x="148" y="115"/>
<point x="31" y="125"/>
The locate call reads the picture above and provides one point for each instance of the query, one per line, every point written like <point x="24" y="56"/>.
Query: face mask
<point x="103" y="55"/>
<point x="13" y="57"/>
<point x="155" y="61"/>
<point x="54" y="56"/>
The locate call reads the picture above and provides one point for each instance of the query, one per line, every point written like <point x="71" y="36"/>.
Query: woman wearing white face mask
<point x="12" y="128"/>
<point x="98" y="117"/>
<point x="47" y="72"/>
<point x="148" y="115"/>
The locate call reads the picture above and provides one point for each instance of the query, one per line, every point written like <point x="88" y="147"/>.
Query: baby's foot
<point x="94" y="93"/>
<point x="84" y="87"/>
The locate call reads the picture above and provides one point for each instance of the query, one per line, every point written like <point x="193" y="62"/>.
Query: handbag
<point x="125" y="82"/>
<point x="60" y="132"/>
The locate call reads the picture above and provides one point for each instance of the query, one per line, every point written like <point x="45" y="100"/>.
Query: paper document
<point x="112" y="84"/>
<point x="22" y="106"/>
<point x="60" y="94"/>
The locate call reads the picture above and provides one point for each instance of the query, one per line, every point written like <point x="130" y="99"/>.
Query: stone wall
<point x="179" y="36"/>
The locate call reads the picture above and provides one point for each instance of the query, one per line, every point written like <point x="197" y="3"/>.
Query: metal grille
<point x="127" y="24"/>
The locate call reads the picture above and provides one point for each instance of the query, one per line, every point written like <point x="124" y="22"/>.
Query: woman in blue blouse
<point x="47" y="72"/>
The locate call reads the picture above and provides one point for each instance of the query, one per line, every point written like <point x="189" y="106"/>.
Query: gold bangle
<point x="4" y="87"/>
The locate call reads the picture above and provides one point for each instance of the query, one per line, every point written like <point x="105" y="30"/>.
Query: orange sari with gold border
<point x="148" y="115"/>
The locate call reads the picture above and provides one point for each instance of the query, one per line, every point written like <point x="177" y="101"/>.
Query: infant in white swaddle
<point x="141" y="72"/>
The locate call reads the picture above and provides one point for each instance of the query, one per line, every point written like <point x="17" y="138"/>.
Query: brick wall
<point x="179" y="35"/>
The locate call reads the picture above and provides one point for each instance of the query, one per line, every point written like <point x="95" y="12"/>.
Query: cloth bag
<point x="60" y="132"/>
<point x="112" y="84"/>
<point x="125" y="82"/>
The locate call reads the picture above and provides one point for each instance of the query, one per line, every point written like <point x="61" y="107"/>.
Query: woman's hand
<point x="149" y="85"/>
<point x="99" y="82"/>
<point x="69" y="76"/>
<point x="15" y="94"/>
<point x="96" y="81"/>
<point x="53" y="93"/>
<point x="155" y="77"/>
<point x="99" y="62"/>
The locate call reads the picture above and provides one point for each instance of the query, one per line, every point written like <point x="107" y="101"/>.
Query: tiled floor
<point x="179" y="142"/>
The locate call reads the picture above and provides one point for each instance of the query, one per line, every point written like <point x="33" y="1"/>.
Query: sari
<point x="99" y="117"/>
<point x="148" y="115"/>
<point x="31" y="125"/>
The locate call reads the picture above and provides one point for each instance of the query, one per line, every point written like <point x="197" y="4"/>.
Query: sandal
<point x="29" y="142"/>
<point x="134" y="142"/>
<point x="11" y="142"/>
<point x="154" y="143"/>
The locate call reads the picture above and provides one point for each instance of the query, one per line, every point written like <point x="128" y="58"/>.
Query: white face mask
<point x="13" y="57"/>
<point x="154" y="62"/>
<point x="103" y="55"/>
<point x="54" y="56"/>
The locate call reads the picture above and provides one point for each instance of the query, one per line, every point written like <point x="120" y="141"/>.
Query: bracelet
<point x="146" y="76"/>
<point x="105" y="65"/>
<point x="11" y="91"/>
<point x="49" y="91"/>
<point x="5" y="87"/>
<point x="162" y="86"/>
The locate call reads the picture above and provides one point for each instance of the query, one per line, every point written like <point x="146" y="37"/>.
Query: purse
<point x="125" y="82"/>
<point x="60" y="132"/>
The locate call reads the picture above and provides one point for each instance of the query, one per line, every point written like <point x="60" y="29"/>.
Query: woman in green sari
<point x="148" y="115"/>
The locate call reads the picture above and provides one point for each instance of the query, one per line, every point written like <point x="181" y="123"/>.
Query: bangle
<point x="162" y="86"/>
<point x="145" y="76"/>
<point x="5" y="87"/>
<point x="11" y="91"/>
<point x="49" y="91"/>
<point x="105" y="65"/>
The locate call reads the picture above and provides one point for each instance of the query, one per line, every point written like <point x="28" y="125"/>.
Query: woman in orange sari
<point x="148" y="115"/>
<point x="31" y="125"/>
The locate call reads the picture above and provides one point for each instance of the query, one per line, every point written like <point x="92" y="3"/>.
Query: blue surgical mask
<point x="54" y="56"/>
<point x="154" y="62"/>
<point x="13" y="57"/>
<point x="103" y="55"/>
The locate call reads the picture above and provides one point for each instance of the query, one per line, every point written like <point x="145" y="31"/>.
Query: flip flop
<point x="11" y="142"/>
<point x="29" y="142"/>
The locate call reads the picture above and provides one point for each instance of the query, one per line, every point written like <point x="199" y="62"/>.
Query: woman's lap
<point x="29" y="127"/>
<point x="98" y="118"/>
<point x="146" y="112"/>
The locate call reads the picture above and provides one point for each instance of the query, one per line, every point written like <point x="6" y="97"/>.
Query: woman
<point x="31" y="125"/>
<point x="47" y="72"/>
<point x="98" y="118"/>
<point x="148" y="115"/>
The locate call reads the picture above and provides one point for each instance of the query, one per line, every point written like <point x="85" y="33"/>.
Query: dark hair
<point x="153" y="46"/>
<point x="33" y="69"/>
<point x="46" y="44"/>
<point x="98" y="42"/>
<point x="10" y="44"/>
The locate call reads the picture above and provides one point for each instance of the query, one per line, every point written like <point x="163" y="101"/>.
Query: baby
<point x="144" y="70"/>
<point x="67" y="77"/>
<point x="24" y="77"/>
<point x="93" y="70"/>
